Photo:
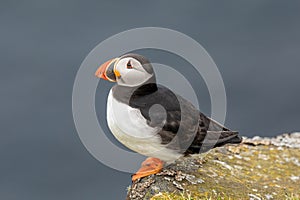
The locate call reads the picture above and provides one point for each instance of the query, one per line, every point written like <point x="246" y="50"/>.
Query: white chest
<point x="129" y="120"/>
<point x="129" y="126"/>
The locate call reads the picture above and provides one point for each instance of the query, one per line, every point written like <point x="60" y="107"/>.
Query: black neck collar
<point x="124" y="94"/>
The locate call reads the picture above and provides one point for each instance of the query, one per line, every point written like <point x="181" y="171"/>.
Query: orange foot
<point x="148" y="167"/>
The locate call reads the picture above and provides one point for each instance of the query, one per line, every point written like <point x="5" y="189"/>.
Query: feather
<point x="183" y="127"/>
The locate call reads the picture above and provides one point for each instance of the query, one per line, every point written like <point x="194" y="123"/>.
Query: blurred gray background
<point x="255" y="44"/>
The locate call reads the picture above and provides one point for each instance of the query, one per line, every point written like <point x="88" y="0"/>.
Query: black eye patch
<point x="129" y="66"/>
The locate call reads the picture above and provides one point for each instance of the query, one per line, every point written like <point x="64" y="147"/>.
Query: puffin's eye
<point x="129" y="66"/>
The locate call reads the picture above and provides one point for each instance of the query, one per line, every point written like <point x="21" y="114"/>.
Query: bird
<point x="152" y="120"/>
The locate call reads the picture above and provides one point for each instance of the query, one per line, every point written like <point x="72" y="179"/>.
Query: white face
<point x="131" y="72"/>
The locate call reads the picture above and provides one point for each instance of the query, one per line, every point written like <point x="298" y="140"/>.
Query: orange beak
<point x="107" y="71"/>
<point x="101" y="71"/>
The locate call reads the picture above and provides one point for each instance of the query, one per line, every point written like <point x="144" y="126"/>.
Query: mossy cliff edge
<point x="258" y="168"/>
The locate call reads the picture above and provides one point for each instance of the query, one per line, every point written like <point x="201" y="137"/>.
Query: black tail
<point x="225" y="137"/>
<point x="212" y="134"/>
<point x="235" y="140"/>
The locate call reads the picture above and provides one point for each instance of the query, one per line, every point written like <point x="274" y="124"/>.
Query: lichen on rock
<point x="259" y="168"/>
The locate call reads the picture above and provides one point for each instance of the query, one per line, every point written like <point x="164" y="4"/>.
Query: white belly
<point x="129" y="127"/>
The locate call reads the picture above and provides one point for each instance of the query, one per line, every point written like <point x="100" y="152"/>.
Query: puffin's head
<point x="129" y="70"/>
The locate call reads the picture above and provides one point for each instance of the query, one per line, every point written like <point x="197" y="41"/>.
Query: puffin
<point x="152" y="120"/>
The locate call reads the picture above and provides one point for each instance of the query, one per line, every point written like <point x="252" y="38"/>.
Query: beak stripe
<point x="109" y="72"/>
<point x="116" y="72"/>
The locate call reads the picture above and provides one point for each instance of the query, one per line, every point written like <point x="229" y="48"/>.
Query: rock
<point x="284" y="140"/>
<point x="258" y="168"/>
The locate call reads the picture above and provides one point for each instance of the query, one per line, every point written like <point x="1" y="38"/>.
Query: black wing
<point x="183" y="127"/>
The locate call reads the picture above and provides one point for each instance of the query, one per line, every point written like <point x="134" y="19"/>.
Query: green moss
<point x="242" y="172"/>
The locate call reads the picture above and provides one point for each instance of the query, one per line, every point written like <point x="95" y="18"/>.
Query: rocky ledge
<point x="258" y="168"/>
